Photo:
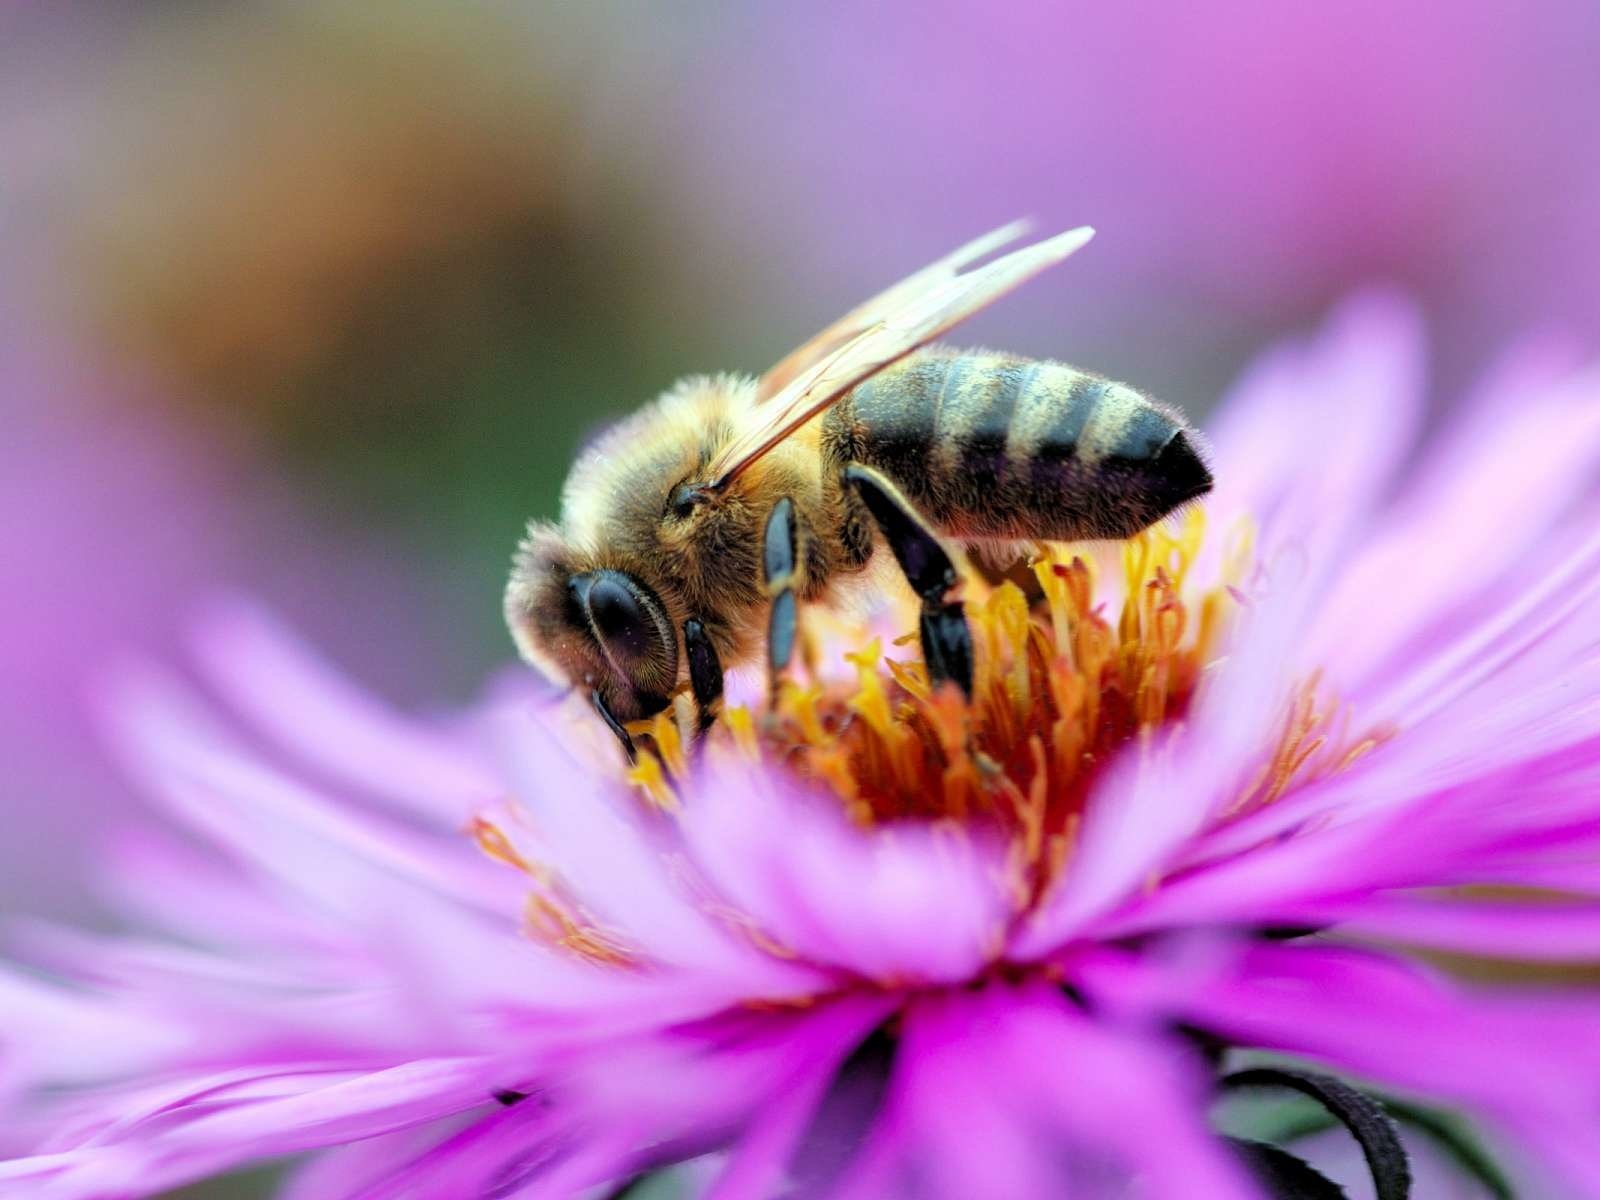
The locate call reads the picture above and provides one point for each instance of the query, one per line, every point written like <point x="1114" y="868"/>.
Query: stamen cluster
<point x="1060" y="686"/>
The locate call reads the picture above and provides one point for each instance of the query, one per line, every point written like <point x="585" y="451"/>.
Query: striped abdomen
<point x="993" y="446"/>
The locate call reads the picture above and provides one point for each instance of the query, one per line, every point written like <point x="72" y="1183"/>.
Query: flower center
<point x="1061" y="685"/>
<point x="1064" y="680"/>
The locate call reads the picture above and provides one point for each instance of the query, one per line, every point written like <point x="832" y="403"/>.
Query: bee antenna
<point x="687" y="496"/>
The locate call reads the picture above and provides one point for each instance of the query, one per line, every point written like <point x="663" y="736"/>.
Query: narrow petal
<point x="292" y="1116"/>
<point x="1448" y="535"/>
<point x="1532" y="932"/>
<point x="268" y="818"/>
<point x="67" y="1036"/>
<point x="860" y="900"/>
<point x="1359" y="386"/>
<point x="628" y="875"/>
<point x="757" y="1164"/>
<point x="311" y="711"/>
<point x="1162" y="792"/>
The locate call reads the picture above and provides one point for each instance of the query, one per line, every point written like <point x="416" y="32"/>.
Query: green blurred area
<point x="248" y="1185"/>
<point x="395" y="256"/>
<point x="450" y="415"/>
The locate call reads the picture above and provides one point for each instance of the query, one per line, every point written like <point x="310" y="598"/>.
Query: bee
<point x="691" y="531"/>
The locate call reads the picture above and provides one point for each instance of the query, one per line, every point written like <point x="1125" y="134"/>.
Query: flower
<point x="877" y="941"/>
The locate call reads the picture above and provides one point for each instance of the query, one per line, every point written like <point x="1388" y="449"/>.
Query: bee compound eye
<point x="618" y="617"/>
<point x="628" y="621"/>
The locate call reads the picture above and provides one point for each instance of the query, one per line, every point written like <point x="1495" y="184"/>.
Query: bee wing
<point x="864" y="316"/>
<point x="886" y="328"/>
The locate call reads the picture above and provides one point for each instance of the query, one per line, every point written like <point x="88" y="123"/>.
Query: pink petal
<point x="355" y="1169"/>
<point x="313" y="712"/>
<point x="1525" y="1066"/>
<point x="271" y="820"/>
<point x="1361" y="384"/>
<point x="1532" y="932"/>
<point x="285" y="1120"/>
<point x="1546" y="609"/>
<point x="1358" y="384"/>
<point x="1160" y="794"/>
<point x="1011" y="1092"/>
<point x="755" y="1167"/>
<point x="69" y="1036"/>
<point x="1448" y="535"/>
<point x="859" y="900"/>
<point x="623" y="871"/>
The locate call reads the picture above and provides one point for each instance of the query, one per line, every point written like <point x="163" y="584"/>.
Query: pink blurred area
<point x="116" y="523"/>
<point x="1246" y="163"/>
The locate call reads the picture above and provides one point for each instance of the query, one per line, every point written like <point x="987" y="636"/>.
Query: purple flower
<point x="955" y="950"/>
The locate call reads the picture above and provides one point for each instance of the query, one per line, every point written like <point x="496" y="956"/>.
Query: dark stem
<point x="1284" y="1176"/>
<point x="1448" y="1134"/>
<point x="1362" y="1115"/>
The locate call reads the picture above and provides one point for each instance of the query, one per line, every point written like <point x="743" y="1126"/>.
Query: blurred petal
<point x="852" y="899"/>
<point x="312" y="711"/>
<point x="269" y="819"/>
<point x="620" y="870"/>
<point x="1449" y="534"/>
<point x="1350" y="402"/>
<point x="253" y="1120"/>
<point x="1528" y="1069"/>
<point x="1050" y="1104"/>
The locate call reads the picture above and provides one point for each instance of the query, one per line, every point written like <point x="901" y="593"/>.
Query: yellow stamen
<point x="646" y="774"/>
<point x="546" y="917"/>
<point x="492" y="841"/>
<point x="1058" y="689"/>
<point x="741" y="727"/>
<point x="549" y="921"/>
<point x="651" y="780"/>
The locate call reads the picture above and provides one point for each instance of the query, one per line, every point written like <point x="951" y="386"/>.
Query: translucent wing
<point x="886" y="328"/>
<point x="864" y="316"/>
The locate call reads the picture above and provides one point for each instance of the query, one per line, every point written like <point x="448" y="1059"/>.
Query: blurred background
<point x="318" y="300"/>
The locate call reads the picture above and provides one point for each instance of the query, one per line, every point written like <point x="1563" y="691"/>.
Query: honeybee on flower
<point x="885" y="938"/>
<point x="696" y="527"/>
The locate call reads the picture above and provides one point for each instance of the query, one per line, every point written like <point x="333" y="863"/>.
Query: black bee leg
<point x="599" y="702"/>
<point x="946" y="640"/>
<point x="705" y="673"/>
<point x="779" y="563"/>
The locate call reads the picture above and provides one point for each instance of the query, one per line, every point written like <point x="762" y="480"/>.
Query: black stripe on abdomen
<point x="1061" y="488"/>
<point x="1143" y="433"/>
<point x="893" y="417"/>
<point x="1058" y="439"/>
<point x="979" y="423"/>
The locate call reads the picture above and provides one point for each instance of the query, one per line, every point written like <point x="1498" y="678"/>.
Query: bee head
<point x="599" y="627"/>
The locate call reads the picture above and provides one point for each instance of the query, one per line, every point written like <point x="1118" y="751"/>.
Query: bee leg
<point x="705" y="673"/>
<point x="946" y="639"/>
<point x="599" y="702"/>
<point x="779" y="565"/>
